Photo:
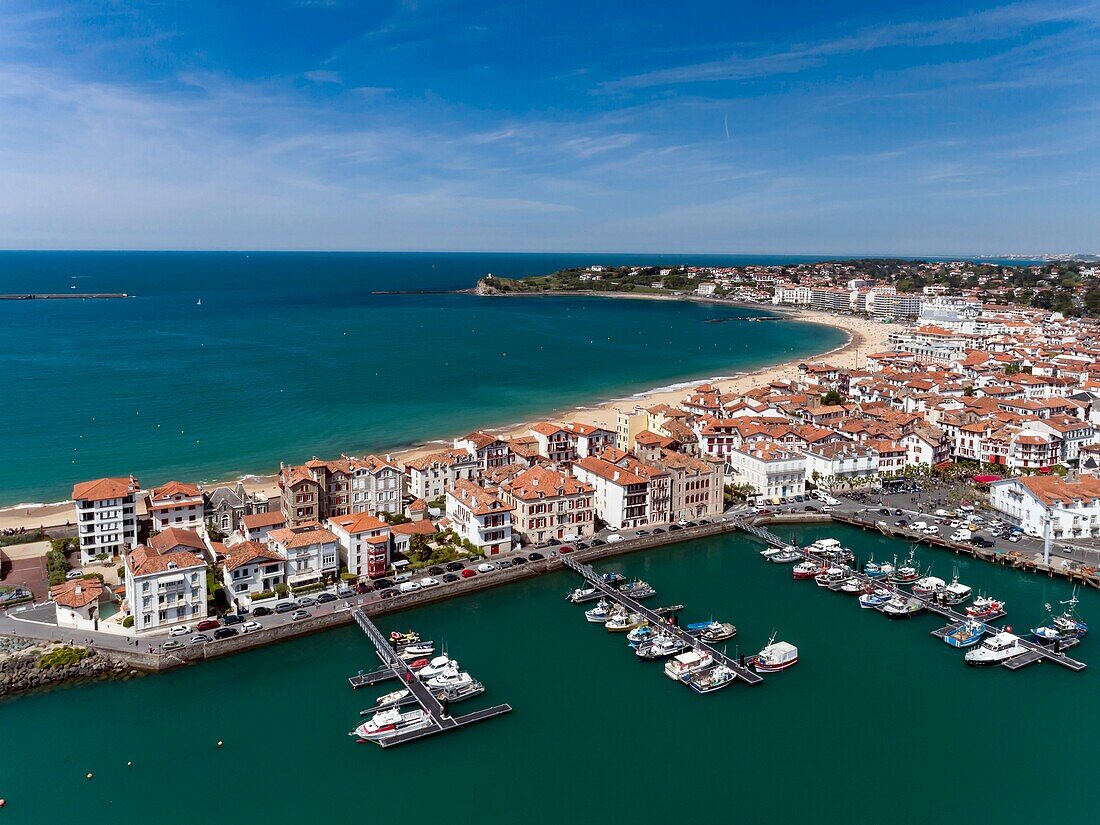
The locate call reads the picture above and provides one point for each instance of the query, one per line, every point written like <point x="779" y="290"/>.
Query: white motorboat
<point x="788" y="555"/>
<point x="902" y="607"/>
<point x="833" y="577"/>
<point x="770" y="551"/>
<point x="685" y="664"/>
<point x="928" y="586"/>
<point x="466" y="690"/>
<point x="583" y="594"/>
<point x="417" y="649"/>
<point x="394" y="696"/>
<point x="622" y="621"/>
<point x="664" y="645"/>
<point x="452" y="677"/>
<point x="956" y="592"/>
<point x="601" y="612"/>
<point x="996" y="650"/>
<point x="711" y="679"/>
<point x="851" y="586"/>
<point x="775" y="656"/>
<point x="436" y="666"/>
<point x="388" y="723"/>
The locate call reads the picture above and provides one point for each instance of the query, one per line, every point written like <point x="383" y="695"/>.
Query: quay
<point x="394" y="667"/>
<point x="61" y="296"/>
<point x="656" y="619"/>
<point x="1036" y="652"/>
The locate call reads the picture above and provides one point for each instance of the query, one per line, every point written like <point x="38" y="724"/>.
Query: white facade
<point x="176" y="504"/>
<point x="621" y="497"/>
<point x="377" y="486"/>
<point x="430" y="476"/>
<point x="162" y="591"/>
<point x="833" y="464"/>
<point x="479" y="517"/>
<point x="1072" y="508"/>
<point x="312" y="553"/>
<point x="249" y="570"/>
<point x="106" y="517"/>
<point x="770" y="471"/>
<point x="364" y="543"/>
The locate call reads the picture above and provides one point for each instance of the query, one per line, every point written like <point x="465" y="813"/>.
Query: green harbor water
<point x="878" y="718"/>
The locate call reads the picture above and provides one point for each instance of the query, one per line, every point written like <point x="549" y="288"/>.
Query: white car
<point x="486" y="568"/>
<point x="615" y="538"/>
<point x="251" y="627"/>
<point x="1015" y="537"/>
<point x="428" y="581"/>
<point x="931" y="528"/>
<point x="181" y="630"/>
<point x="408" y="587"/>
<point x="74" y="574"/>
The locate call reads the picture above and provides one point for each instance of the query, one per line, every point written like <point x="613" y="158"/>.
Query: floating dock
<point x="61" y="296"/>
<point x="394" y="667"/>
<point x="1036" y="652"/>
<point x="749" y="677"/>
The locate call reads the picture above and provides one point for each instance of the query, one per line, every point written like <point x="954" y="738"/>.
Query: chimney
<point x="78" y="590"/>
<point x="616" y="476"/>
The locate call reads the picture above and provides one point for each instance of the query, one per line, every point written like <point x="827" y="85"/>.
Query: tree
<point x="420" y="547"/>
<point x="832" y="398"/>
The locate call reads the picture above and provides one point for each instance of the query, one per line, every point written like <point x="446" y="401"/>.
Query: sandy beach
<point x="864" y="336"/>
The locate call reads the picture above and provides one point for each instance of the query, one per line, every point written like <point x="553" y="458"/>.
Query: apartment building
<point x="106" y="517"/>
<point x="364" y="543"/>
<point x="176" y="504"/>
<point x="165" y="584"/>
<point x="480" y="517"/>
<point x="548" y="504"/>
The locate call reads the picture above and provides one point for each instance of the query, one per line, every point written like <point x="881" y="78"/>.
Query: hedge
<point x="62" y="656"/>
<point x="128" y="621"/>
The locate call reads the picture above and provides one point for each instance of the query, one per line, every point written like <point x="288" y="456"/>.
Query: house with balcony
<point x="106" y="517"/>
<point x="487" y="449"/>
<point x="176" y="504"/>
<point x="590" y="440"/>
<point x="164" y="588"/>
<point x="1072" y="508"/>
<point x="480" y="517"/>
<point x="428" y="477"/>
<point x="80" y="603"/>
<point x="257" y="526"/>
<point x="364" y="543"/>
<point x="251" y="569"/>
<point x="548" y="504"/>
<point x="771" y="470"/>
<point x="555" y="443"/>
<point x="837" y="465"/>
<point x="312" y="554"/>
<point x="621" y="496"/>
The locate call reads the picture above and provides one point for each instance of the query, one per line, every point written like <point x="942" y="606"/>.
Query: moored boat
<point x="807" y="570"/>
<point x="902" y="607"/>
<point x="664" y="645"/>
<point x="965" y="634"/>
<point x="718" y="632"/>
<point x="437" y="666"/>
<point x="417" y="650"/>
<point x="788" y="555"/>
<point x="775" y="656"/>
<point x="995" y="650"/>
<point x="644" y="632"/>
<point x="956" y="592"/>
<point x="711" y="679"/>
<point x="986" y="607"/>
<point x="460" y="692"/>
<point x="621" y="621"/>
<point x="600" y="613"/>
<point x="637" y="589"/>
<point x="613" y="577"/>
<point x="388" y="723"/>
<point x="833" y="577"/>
<point x="583" y="594"/>
<point x="879" y="570"/>
<point x="874" y="598"/>
<point x="1061" y="628"/>
<point x="393" y="696"/>
<point x="928" y="586"/>
<point x="685" y="664"/>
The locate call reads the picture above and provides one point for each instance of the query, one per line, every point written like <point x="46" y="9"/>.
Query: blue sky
<point x="825" y="127"/>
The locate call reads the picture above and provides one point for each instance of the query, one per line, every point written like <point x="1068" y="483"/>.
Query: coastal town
<point x="1001" y="398"/>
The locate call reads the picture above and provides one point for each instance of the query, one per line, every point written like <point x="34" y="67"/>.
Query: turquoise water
<point x="877" y="719"/>
<point x="292" y="355"/>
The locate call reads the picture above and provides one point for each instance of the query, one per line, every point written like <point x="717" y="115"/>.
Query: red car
<point x="565" y="548"/>
<point x="208" y="624"/>
<point x="468" y="573"/>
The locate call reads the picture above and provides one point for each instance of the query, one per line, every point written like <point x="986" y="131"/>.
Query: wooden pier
<point x="1036" y="652"/>
<point x="394" y="667"/>
<point x="743" y="673"/>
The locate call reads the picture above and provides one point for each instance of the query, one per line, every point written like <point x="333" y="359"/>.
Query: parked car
<point x="251" y="627"/>
<point x="450" y="578"/>
<point x="285" y="607"/>
<point x="536" y="557"/>
<point x="671" y="527"/>
<point x="364" y="587"/>
<point x="552" y="542"/>
<point x="408" y="587"/>
<point x="615" y="538"/>
<point x="428" y="581"/>
<point x="595" y="543"/>
<point x="435" y="570"/>
<point x="1015" y="537"/>
<point x="172" y="644"/>
<point x="454" y="566"/>
<point x="565" y="548"/>
<point x="208" y="624"/>
<point x="200" y="638"/>
<point x="180" y="630"/>
<point x="299" y="615"/>
<point x="232" y="618"/>
<point x="383" y="583"/>
<point x="641" y="533"/>
<point x="305" y="601"/>
<point x="225" y="632"/>
<point x="486" y="567"/>
<point x="658" y="531"/>
<point x="468" y="573"/>
<point x="262" y="611"/>
<point x="898" y="512"/>
<point x="388" y="593"/>
<point x="324" y="598"/>
<point x="74" y="574"/>
<point x="519" y="560"/>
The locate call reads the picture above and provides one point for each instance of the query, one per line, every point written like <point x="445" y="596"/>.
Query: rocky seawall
<point x="29" y="665"/>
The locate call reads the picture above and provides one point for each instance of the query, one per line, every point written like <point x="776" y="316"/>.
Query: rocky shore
<point x="21" y="667"/>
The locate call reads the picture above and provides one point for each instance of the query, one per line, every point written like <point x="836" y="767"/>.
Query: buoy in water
<point x="219" y="743"/>
<point x="89" y="776"/>
<point x="3" y="802"/>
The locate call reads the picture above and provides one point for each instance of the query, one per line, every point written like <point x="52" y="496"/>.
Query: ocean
<point x="878" y="717"/>
<point x="291" y="355"/>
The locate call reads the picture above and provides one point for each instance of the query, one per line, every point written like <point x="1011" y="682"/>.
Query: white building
<point x="176" y="504"/>
<point x="165" y="586"/>
<point x="621" y="496"/>
<point x="106" y="520"/>
<point x="834" y="464"/>
<point x="377" y="485"/>
<point x="364" y="543"/>
<point x="312" y="553"/>
<point x="479" y="517"/>
<point x="489" y="450"/>
<point x="590" y="440"/>
<point x="77" y="603"/>
<point x="257" y="526"/>
<point x="1071" y="507"/>
<point x="251" y="569"/>
<point x="430" y="476"/>
<point x="770" y="470"/>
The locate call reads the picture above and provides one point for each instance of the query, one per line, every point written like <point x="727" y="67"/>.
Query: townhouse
<point x="251" y="571"/>
<point x="547" y="504"/>
<point x="106" y="517"/>
<point x="428" y="477"/>
<point x="364" y="543"/>
<point x="487" y="449"/>
<point x="770" y="470"/>
<point x="1070" y="508"/>
<point x="312" y="554"/>
<point x="165" y="584"/>
<point x="480" y="517"/>
<point x="176" y="504"/>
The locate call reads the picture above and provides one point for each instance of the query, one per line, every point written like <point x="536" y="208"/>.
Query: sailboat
<point x="198" y="302"/>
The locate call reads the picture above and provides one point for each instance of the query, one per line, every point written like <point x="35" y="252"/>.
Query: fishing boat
<point x="718" y="632"/>
<point x="874" y="598"/>
<point x="613" y="578"/>
<point x="833" y="577"/>
<point x="965" y="634"/>
<point x="1061" y="628"/>
<point x="450" y="678"/>
<point x="688" y="663"/>
<point x="806" y="570"/>
<point x="664" y="645"/>
<point x="388" y="723"/>
<point x="832" y="550"/>
<point x="459" y="693"/>
<point x="788" y="555"/>
<point x="437" y="666"/>
<point x="637" y="589"/>
<point x="902" y="607"/>
<point x="879" y="570"/>
<point x="711" y="679"/>
<point x="995" y="650"/>
<point x="955" y="592"/>
<point x="582" y="594"/>
<point x="622" y="621"/>
<point x="642" y="633"/>
<point x="600" y="613"/>
<point x="851" y="586"/>
<point x="928" y="586"/>
<point x="907" y="573"/>
<point x="390" y="698"/>
<point x="986" y="607"/>
<point x="775" y="656"/>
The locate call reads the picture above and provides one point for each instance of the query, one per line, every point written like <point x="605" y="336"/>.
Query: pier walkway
<point x="743" y="673"/>
<point x="394" y="667"/>
<point x="1036" y="652"/>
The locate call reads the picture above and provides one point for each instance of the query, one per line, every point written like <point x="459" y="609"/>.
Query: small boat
<point x="437" y="666"/>
<point x="664" y="645"/>
<point x="685" y="664"/>
<point x="398" y="638"/>
<point x="788" y="555"/>
<point x="1061" y="628"/>
<point x="198" y="302"/>
<point x="832" y="550"/>
<point x="770" y="551"/>
<point x="600" y="613"/>
<point x="851" y="586"/>
<point x="955" y="592"/>
<point x="995" y="650"/>
<point x="902" y="607"/>
<point x="417" y="650"/>
<point x="833" y="577"/>
<point x="637" y="589"/>
<point x="806" y="570"/>
<point x="622" y="621"/>
<point x="390" y="698"/>
<point x="452" y="677"/>
<point x="583" y="594"/>
<point x="613" y="577"/>
<point x="907" y="573"/>
<point x="928" y="586"/>
<point x="388" y="723"/>
<point x="986" y="607"/>
<point x="718" y="632"/>
<point x="875" y="598"/>
<point x="642" y="633"/>
<point x="879" y="570"/>
<point x="418" y="664"/>
<point x="965" y="634"/>
<point x="458" y="693"/>
<point x="711" y="679"/>
<point x="775" y="656"/>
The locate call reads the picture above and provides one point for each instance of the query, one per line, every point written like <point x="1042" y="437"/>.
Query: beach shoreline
<point x="864" y="336"/>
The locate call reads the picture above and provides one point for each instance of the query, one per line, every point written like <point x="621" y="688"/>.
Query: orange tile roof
<point x="539" y="482"/>
<point x="271" y="518"/>
<point x="101" y="489"/>
<point x="358" y="522"/>
<point x="312" y="534"/>
<point x="175" y="537"/>
<point x="78" y="592"/>
<point x="250" y="551"/>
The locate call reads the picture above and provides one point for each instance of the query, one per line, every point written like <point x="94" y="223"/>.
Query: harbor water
<point x="878" y="718"/>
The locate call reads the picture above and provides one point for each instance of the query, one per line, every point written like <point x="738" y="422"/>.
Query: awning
<point x="298" y="578"/>
<point x="987" y="479"/>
